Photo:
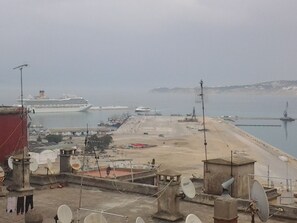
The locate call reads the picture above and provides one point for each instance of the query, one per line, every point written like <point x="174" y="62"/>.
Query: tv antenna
<point x="259" y="203"/>
<point x="20" y="67"/>
<point x="203" y="115"/>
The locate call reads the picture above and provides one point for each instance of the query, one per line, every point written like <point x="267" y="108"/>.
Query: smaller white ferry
<point x="142" y="109"/>
<point x="42" y="103"/>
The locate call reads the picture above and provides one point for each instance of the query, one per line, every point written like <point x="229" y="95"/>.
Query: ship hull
<point x="59" y="109"/>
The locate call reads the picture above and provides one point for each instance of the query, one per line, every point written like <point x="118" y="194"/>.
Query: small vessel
<point x="142" y="109"/>
<point x="286" y="118"/>
<point x="42" y="103"/>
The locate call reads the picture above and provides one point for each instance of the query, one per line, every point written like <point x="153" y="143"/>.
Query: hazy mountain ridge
<point x="270" y="87"/>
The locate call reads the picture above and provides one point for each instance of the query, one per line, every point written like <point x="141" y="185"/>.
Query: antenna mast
<point x="20" y="67"/>
<point x="204" y="130"/>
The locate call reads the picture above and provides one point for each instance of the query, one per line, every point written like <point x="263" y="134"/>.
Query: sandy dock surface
<point x="180" y="145"/>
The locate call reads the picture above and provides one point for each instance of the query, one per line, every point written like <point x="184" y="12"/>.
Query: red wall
<point x="11" y="139"/>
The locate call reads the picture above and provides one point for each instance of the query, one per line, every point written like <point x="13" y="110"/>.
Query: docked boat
<point x="286" y="118"/>
<point x="142" y="109"/>
<point x="42" y="103"/>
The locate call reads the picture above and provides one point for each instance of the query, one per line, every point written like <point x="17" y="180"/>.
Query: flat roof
<point x="236" y="161"/>
<point x="9" y="110"/>
<point x="113" y="172"/>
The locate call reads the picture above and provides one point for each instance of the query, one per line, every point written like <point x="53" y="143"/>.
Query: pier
<point x="258" y="125"/>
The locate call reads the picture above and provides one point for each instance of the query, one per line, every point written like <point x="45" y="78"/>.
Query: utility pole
<point x="204" y="130"/>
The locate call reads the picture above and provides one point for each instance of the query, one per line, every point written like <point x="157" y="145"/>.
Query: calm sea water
<point x="246" y="106"/>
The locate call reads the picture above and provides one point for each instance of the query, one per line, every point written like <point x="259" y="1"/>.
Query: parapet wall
<point x="145" y="189"/>
<point x="242" y="205"/>
<point x="89" y="181"/>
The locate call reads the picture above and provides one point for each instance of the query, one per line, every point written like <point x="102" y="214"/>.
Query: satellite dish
<point x="64" y="214"/>
<point x="33" y="164"/>
<point x="95" y="218"/>
<point x="139" y="220"/>
<point x="2" y="174"/>
<point x="260" y="201"/>
<point x="75" y="162"/>
<point x="10" y="164"/>
<point x="227" y="183"/>
<point x="188" y="187"/>
<point x="226" y="186"/>
<point x="191" y="218"/>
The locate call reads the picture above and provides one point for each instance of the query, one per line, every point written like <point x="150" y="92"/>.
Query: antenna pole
<point x="268" y="176"/>
<point x="83" y="167"/>
<point x="231" y="163"/>
<point x="204" y="130"/>
<point x="20" y="67"/>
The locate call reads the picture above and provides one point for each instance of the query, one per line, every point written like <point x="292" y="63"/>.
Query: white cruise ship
<point x="41" y="103"/>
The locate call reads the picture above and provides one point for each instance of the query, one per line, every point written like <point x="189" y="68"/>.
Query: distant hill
<point x="271" y="87"/>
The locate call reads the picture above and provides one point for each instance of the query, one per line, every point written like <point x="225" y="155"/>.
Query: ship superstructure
<point x="41" y="103"/>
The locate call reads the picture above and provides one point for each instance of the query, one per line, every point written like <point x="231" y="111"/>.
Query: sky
<point x="92" y="46"/>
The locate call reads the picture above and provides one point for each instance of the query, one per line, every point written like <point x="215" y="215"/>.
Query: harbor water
<point x="256" y="114"/>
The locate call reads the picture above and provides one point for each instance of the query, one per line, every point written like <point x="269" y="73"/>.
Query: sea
<point x="256" y="114"/>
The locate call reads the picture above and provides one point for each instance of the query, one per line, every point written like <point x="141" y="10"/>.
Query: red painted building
<point x="13" y="131"/>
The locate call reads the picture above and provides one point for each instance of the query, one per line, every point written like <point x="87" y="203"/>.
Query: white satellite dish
<point x="95" y="218"/>
<point x="260" y="201"/>
<point x="33" y="164"/>
<point x="75" y="162"/>
<point x="226" y="186"/>
<point x="139" y="220"/>
<point x="64" y="214"/>
<point x="2" y="173"/>
<point x="191" y="218"/>
<point x="10" y="164"/>
<point x="188" y="187"/>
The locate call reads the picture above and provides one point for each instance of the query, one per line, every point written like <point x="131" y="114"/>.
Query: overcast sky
<point x="77" y="46"/>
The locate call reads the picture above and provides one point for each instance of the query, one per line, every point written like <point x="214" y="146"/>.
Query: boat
<point x="42" y="103"/>
<point x="142" y="109"/>
<point x="286" y="118"/>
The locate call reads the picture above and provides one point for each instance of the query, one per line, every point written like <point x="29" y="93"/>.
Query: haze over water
<point x="245" y="106"/>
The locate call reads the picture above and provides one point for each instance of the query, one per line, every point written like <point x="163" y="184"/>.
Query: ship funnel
<point x="41" y="94"/>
